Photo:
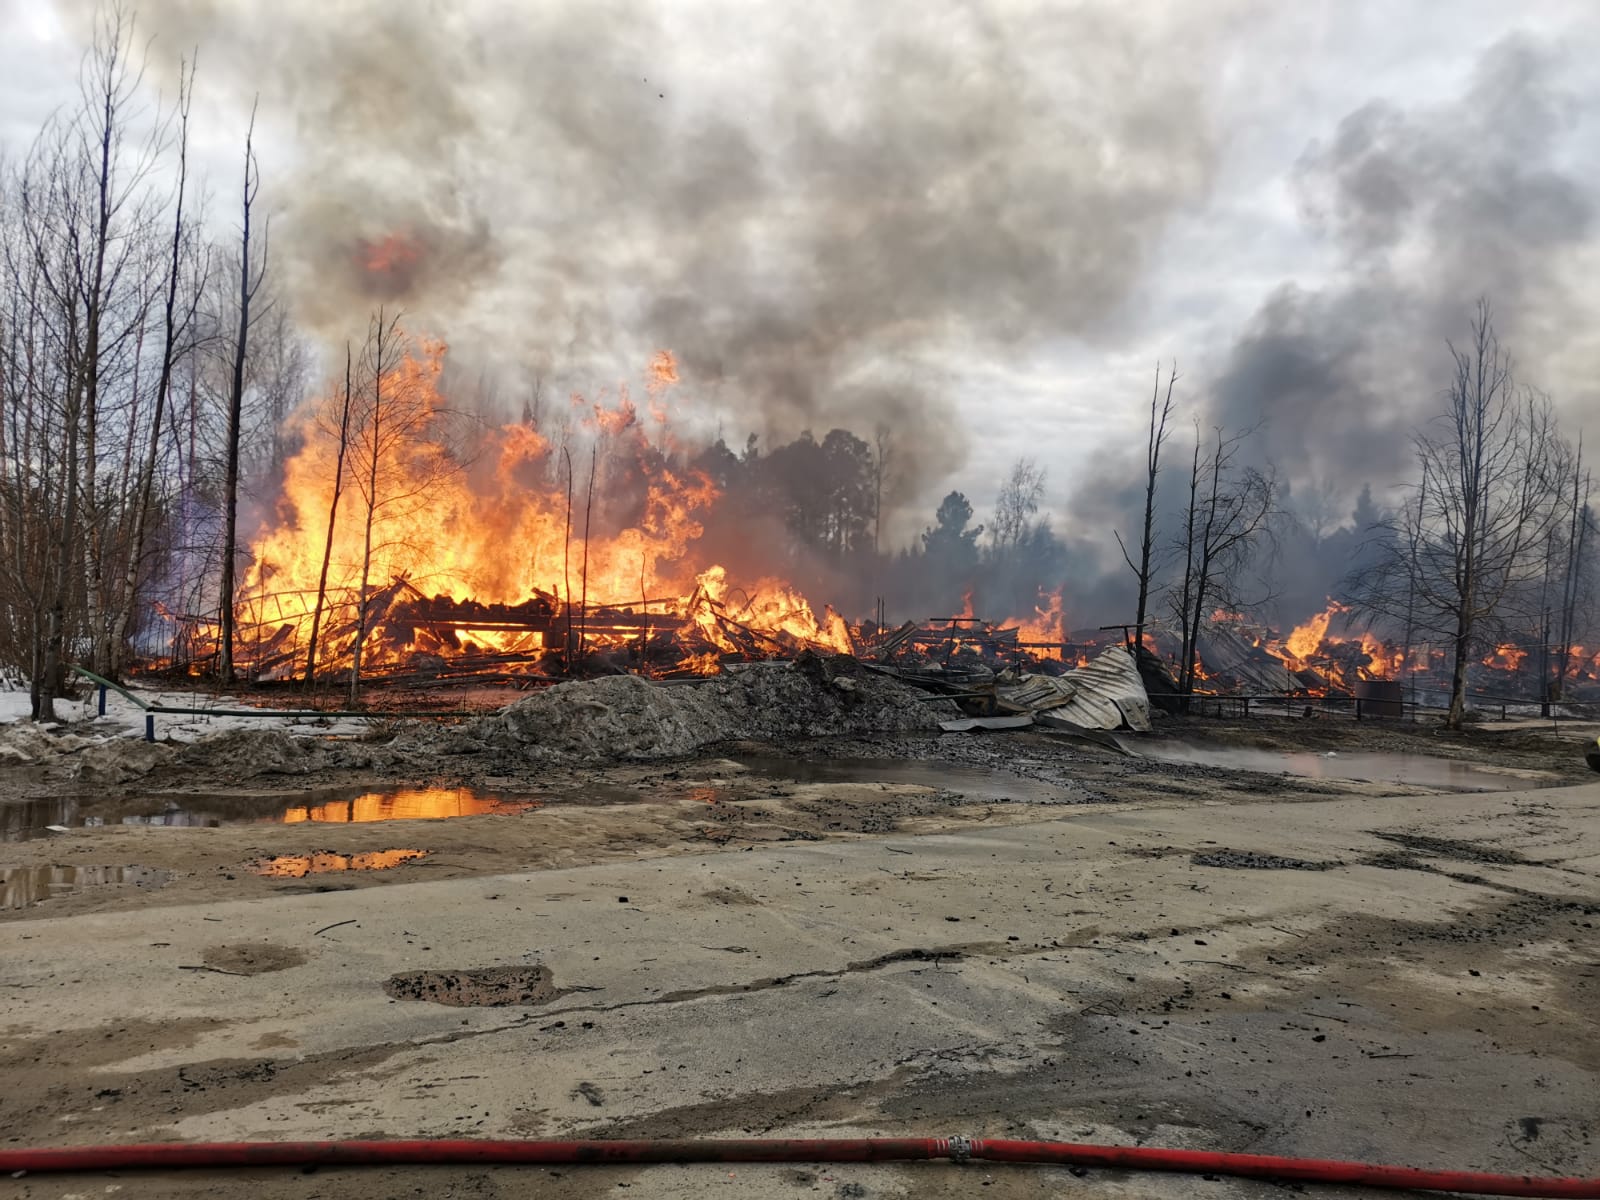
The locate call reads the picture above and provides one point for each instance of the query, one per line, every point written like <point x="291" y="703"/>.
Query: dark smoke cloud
<point x="1430" y="209"/>
<point x="798" y="201"/>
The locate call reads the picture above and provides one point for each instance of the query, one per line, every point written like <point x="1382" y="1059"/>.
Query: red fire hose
<point x="776" y="1150"/>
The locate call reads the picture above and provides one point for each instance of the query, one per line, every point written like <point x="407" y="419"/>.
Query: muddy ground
<point x="1005" y="934"/>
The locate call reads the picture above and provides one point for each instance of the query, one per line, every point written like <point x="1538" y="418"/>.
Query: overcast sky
<point x="983" y="223"/>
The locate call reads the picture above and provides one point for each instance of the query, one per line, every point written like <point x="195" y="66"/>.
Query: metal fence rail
<point x="151" y="711"/>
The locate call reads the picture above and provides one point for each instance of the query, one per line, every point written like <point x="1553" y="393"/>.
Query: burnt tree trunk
<point x="230" y="536"/>
<point x="333" y="514"/>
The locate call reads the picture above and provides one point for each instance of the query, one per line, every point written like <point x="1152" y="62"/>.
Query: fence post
<point x="102" y="699"/>
<point x="149" y="727"/>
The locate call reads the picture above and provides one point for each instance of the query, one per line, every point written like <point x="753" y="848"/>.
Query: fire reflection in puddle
<point x="22" y="886"/>
<point x="33" y="818"/>
<point x="413" y="804"/>
<point x="297" y="866"/>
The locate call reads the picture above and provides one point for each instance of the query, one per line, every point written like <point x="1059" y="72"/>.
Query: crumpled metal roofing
<point x="1107" y="693"/>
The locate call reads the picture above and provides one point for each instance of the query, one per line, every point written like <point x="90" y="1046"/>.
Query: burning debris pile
<point x="412" y="636"/>
<point x="412" y="542"/>
<point x="414" y="545"/>
<point x="1013" y="675"/>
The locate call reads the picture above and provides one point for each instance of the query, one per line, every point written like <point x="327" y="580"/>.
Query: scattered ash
<point x="1462" y="851"/>
<point x="489" y="987"/>
<point x="1249" y="860"/>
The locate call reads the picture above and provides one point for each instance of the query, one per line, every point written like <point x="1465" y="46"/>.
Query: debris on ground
<point x="626" y="717"/>
<point x="1105" y="693"/>
<point x="247" y="753"/>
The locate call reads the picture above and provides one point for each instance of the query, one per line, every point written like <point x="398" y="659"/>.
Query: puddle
<point x="19" y="822"/>
<point x="1416" y="769"/>
<point x="298" y="866"/>
<point x="407" y="804"/>
<point x="22" y="886"/>
<point x="977" y="782"/>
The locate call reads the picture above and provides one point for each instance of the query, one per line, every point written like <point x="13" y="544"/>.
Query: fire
<point x="1506" y="657"/>
<point x="1303" y="643"/>
<point x="475" y="548"/>
<point x="1047" y="625"/>
<point x="395" y="252"/>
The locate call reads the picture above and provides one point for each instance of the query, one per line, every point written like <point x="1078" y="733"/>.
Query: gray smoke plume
<point x="799" y="201"/>
<point x="1431" y="209"/>
<point x="1490" y="194"/>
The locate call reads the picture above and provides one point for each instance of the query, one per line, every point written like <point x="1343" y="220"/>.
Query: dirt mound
<point x="68" y="756"/>
<point x="244" y="753"/>
<point x="24" y="743"/>
<point x="625" y="717"/>
<point x="117" y="761"/>
<point x="489" y="987"/>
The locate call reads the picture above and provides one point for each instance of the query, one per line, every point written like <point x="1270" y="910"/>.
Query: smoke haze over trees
<point x="854" y="236"/>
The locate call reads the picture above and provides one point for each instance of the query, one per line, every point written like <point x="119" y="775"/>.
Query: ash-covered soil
<point x="613" y="769"/>
<point x="1403" y="979"/>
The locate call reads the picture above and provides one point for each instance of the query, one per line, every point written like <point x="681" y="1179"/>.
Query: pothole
<point x="252" y="958"/>
<point x="22" y="886"/>
<point x="298" y="866"/>
<point x="487" y="987"/>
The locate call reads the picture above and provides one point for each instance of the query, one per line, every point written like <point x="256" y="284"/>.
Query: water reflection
<point x="1373" y="766"/>
<point x="414" y="804"/>
<point x="22" y="886"/>
<point x="298" y="866"/>
<point x="30" y="818"/>
<point x="978" y="783"/>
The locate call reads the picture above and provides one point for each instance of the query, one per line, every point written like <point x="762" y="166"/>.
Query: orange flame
<point x="1048" y="624"/>
<point x="1305" y="640"/>
<point x="1506" y="656"/>
<point x="394" y="252"/>
<point x="488" y="524"/>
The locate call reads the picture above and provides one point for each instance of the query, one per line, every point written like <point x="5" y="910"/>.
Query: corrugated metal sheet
<point x="968" y="724"/>
<point x="1107" y="693"/>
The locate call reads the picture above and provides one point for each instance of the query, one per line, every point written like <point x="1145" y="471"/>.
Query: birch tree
<point x="1472" y="541"/>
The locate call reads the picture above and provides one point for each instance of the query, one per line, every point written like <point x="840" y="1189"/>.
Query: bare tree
<point x="1579" y="522"/>
<point x="376" y="433"/>
<point x="249" y="285"/>
<point x="1470" y="544"/>
<point x="1160" y="415"/>
<point x="77" y="258"/>
<point x="1014" y="508"/>
<point x="399" y="452"/>
<point x="1229" y="513"/>
<point x="883" y="458"/>
<point x="341" y="451"/>
<point x="175" y="329"/>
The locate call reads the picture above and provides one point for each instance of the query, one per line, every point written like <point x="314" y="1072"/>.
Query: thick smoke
<point x="1430" y="209"/>
<point x="800" y="202"/>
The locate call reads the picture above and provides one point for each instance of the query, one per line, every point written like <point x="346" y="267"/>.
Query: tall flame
<point x="499" y="516"/>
